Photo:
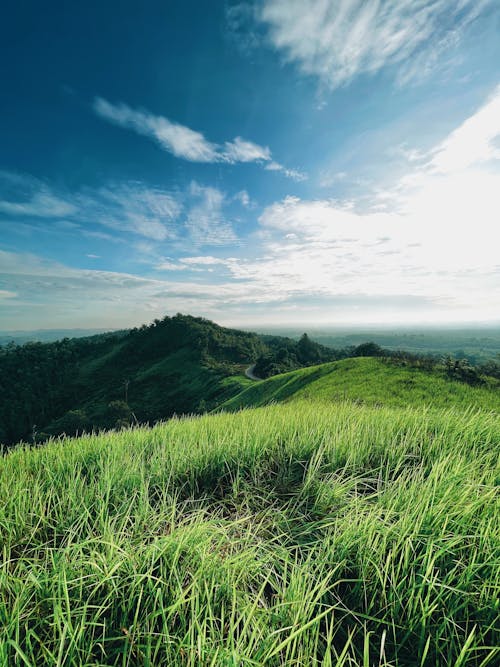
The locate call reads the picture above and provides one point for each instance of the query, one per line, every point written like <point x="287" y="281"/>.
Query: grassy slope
<point x="308" y="533"/>
<point x="174" y="383"/>
<point x="371" y="381"/>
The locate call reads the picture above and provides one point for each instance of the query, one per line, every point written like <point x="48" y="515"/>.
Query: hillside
<point x="369" y="380"/>
<point x="308" y="533"/>
<point x="177" y="365"/>
<point x="188" y="365"/>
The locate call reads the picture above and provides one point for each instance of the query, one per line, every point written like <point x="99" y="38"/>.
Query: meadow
<point x="307" y="533"/>
<point x="372" y="381"/>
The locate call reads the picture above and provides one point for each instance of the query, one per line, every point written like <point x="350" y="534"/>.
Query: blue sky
<point x="268" y="162"/>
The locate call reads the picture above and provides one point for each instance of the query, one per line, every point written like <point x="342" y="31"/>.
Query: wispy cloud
<point x="7" y="294"/>
<point x="436" y="238"/>
<point x="431" y="253"/>
<point x="134" y="208"/>
<point x="336" y="40"/>
<point x="184" y="142"/>
<point x="244" y="198"/>
<point x="129" y="207"/>
<point x="294" y="174"/>
<point x="42" y="204"/>
<point x="240" y="150"/>
<point x="27" y="196"/>
<point x="205" y="221"/>
<point x="196" y="216"/>
<point x="177" y="139"/>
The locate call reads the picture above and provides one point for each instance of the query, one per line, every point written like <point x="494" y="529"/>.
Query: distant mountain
<point x="45" y="335"/>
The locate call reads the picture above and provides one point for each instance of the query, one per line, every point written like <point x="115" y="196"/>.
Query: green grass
<point x="309" y="533"/>
<point x="368" y="380"/>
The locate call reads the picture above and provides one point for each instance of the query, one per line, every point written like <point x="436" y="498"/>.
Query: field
<point x="306" y="533"/>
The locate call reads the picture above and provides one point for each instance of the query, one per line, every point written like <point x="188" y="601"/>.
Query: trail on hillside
<point x="249" y="373"/>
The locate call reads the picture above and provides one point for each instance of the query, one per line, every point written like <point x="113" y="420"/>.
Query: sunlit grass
<point x="371" y="381"/>
<point x="302" y="534"/>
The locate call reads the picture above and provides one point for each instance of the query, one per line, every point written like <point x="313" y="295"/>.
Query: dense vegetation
<point x="177" y="365"/>
<point x="311" y="533"/>
<point x="285" y="354"/>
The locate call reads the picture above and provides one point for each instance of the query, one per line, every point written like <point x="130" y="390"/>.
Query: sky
<point x="271" y="162"/>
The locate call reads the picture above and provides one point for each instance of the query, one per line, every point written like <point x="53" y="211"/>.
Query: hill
<point x="186" y="365"/>
<point x="309" y="533"/>
<point x="45" y="335"/>
<point x="369" y="380"/>
<point x="176" y="365"/>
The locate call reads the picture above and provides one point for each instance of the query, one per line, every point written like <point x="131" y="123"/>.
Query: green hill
<point x="372" y="381"/>
<point x="309" y="533"/>
<point x="177" y="365"/>
<point x="187" y="365"/>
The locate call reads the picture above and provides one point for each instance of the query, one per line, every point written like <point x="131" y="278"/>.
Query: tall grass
<point x="300" y="534"/>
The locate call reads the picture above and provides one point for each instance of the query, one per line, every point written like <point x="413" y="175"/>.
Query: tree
<point x="120" y="414"/>
<point x="307" y="349"/>
<point x="368" y="350"/>
<point x="73" y="422"/>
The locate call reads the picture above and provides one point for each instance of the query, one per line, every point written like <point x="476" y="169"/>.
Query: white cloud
<point x="179" y="140"/>
<point x="205" y="220"/>
<point x="473" y="142"/>
<point x="337" y="40"/>
<point x="184" y="142"/>
<point x="170" y="266"/>
<point x="131" y="207"/>
<point x="194" y="217"/>
<point x="45" y="293"/>
<point x="436" y="240"/>
<point x="244" y="198"/>
<point x="240" y="150"/>
<point x="294" y="174"/>
<point x="431" y="254"/>
<point x="206" y="260"/>
<point x="134" y="208"/>
<point x="27" y="196"/>
<point x="42" y="204"/>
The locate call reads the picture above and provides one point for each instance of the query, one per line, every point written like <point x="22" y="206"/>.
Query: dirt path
<point x="249" y="373"/>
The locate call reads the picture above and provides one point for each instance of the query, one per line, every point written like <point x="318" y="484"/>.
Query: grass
<point x="368" y="380"/>
<point x="308" y="533"/>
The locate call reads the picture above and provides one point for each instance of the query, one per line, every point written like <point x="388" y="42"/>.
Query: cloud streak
<point x="185" y="143"/>
<point x="177" y="139"/>
<point x="337" y="40"/>
<point x="195" y="216"/>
